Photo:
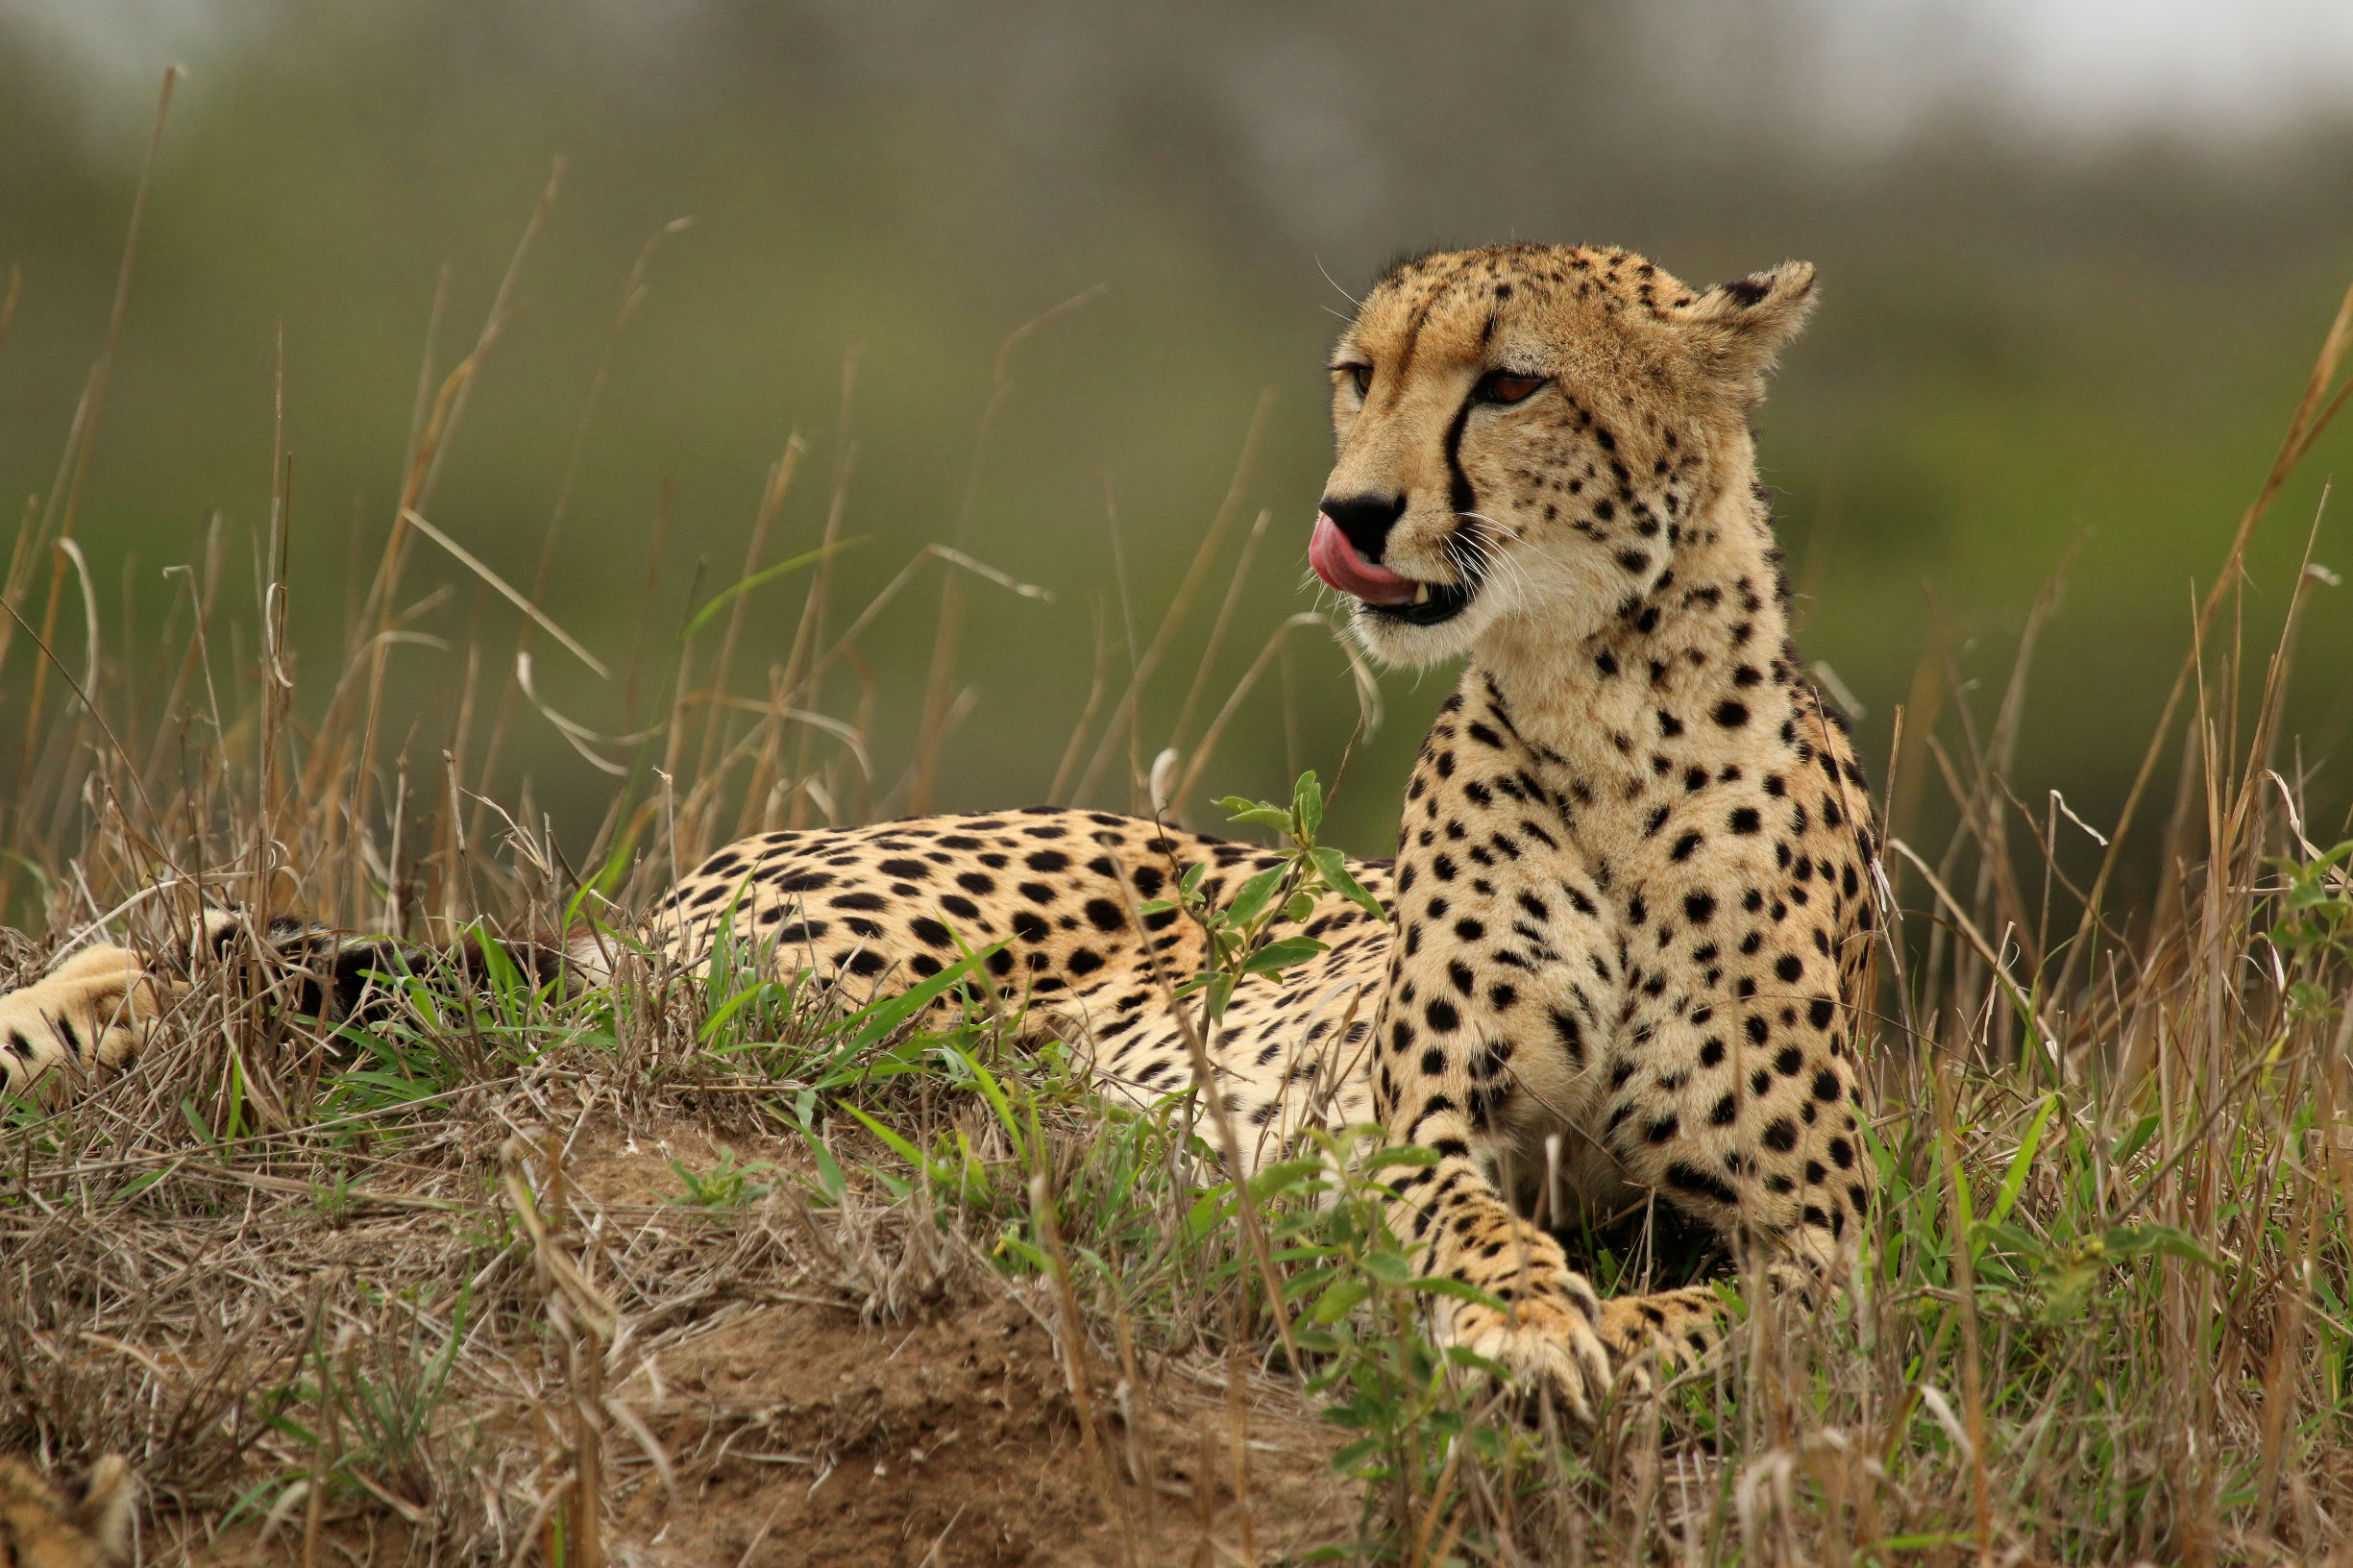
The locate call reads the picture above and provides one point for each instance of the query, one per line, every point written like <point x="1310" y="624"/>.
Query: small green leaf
<point x="1340" y="1300"/>
<point x="828" y="1170"/>
<point x="2010" y="1238"/>
<point x="138" y="1185"/>
<point x="880" y="1019"/>
<point x="1438" y="1284"/>
<point x="898" y="1145"/>
<point x="1255" y="895"/>
<point x="1285" y="1173"/>
<point x="504" y="976"/>
<point x="1222" y="993"/>
<point x="1388" y="1267"/>
<point x="1014" y="1246"/>
<point x="2021" y="1164"/>
<point x="295" y="1429"/>
<point x="1208" y="1212"/>
<point x="1333" y="867"/>
<point x="2130" y="1144"/>
<point x="1465" y="1357"/>
<point x="995" y="1095"/>
<point x="1282" y="955"/>
<point x="742" y="999"/>
<point x="1307" y="803"/>
<point x="2128" y="1241"/>
<point x="1401" y="1153"/>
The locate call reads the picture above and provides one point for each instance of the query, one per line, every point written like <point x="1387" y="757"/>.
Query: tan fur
<point x="93" y="1014"/>
<point x="1673" y="886"/>
<point x="1630" y="900"/>
<point x="42" y="1526"/>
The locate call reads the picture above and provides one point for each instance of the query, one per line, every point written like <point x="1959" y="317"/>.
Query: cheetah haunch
<point x="1629" y="906"/>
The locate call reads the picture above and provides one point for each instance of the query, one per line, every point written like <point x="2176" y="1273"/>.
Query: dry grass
<point x="705" y="1269"/>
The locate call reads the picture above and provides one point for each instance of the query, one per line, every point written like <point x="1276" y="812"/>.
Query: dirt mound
<point x="803" y="1437"/>
<point x="799" y="1434"/>
<point x="786" y="1391"/>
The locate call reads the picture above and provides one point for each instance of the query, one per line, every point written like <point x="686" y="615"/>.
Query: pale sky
<point x="2203" y="67"/>
<point x="2248" y="62"/>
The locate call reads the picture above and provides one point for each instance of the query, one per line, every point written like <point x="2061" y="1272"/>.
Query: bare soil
<point x="847" y="1398"/>
<point x="808" y="1436"/>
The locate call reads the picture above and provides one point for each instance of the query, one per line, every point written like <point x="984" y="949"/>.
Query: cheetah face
<point x="1527" y="434"/>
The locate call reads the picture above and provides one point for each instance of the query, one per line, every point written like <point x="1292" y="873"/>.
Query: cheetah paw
<point x="1677" y="1327"/>
<point x="1547" y="1342"/>
<point x="95" y="1014"/>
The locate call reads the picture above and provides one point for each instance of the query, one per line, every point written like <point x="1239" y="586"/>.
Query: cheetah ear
<point x="1740" y="327"/>
<point x="104" y="1509"/>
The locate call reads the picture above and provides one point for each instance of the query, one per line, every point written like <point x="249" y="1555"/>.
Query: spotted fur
<point x="93" y="1016"/>
<point x="1631" y="903"/>
<point x="1632" y="888"/>
<point x="45" y="1526"/>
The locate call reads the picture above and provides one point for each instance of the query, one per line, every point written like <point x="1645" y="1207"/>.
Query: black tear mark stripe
<point x="1463" y="498"/>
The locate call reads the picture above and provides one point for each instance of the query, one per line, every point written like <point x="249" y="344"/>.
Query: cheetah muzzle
<point x="1382" y="592"/>
<point x="1630" y="910"/>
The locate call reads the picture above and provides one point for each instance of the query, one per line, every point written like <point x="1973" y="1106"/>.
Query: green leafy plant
<point x="726" y="1184"/>
<point x="338" y="1196"/>
<point x="369" y="1413"/>
<point x="2315" y="930"/>
<point x="1242" y="932"/>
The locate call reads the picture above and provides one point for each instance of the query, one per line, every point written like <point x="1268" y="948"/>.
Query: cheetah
<point x="1631" y="907"/>
<point x="43" y="1526"/>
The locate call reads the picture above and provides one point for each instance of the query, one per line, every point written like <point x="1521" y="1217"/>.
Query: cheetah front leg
<point x="1497" y="1003"/>
<point x="1553" y="1329"/>
<point x="1734" y="1094"/>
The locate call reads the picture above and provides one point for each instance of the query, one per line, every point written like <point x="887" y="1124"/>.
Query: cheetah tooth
<point x="1421" y="595"/>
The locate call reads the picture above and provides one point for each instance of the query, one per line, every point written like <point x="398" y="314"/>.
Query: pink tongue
<point x="1335" y="560"/>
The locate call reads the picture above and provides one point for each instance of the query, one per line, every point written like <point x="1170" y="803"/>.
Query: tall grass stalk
<point x="2105" y="1312"/>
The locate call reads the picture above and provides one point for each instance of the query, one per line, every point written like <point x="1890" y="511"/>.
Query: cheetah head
<point x="1527" y="434"/>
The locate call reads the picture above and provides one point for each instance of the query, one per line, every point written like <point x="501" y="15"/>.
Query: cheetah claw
<point x="1544" y="1344"/>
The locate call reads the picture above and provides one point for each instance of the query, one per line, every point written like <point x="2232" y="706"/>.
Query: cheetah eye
<point x="1507" y="386"/>
<point x="1360" y="376"/>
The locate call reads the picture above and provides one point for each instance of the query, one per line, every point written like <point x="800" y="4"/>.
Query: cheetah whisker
<point x="1493" y="562"/>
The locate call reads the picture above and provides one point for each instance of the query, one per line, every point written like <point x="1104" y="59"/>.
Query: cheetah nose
<point x="1365" y="521"/>
<point x="1337" y="561"/>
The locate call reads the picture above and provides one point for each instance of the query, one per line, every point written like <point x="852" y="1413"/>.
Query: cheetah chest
<point x="1508" y="985"/>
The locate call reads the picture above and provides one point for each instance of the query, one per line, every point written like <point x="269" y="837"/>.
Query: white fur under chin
<point x="1403" y="646"/>
<point x="1560" y="602"/>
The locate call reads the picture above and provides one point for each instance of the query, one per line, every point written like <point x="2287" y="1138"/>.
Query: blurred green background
<point x="2072" y="282"/>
